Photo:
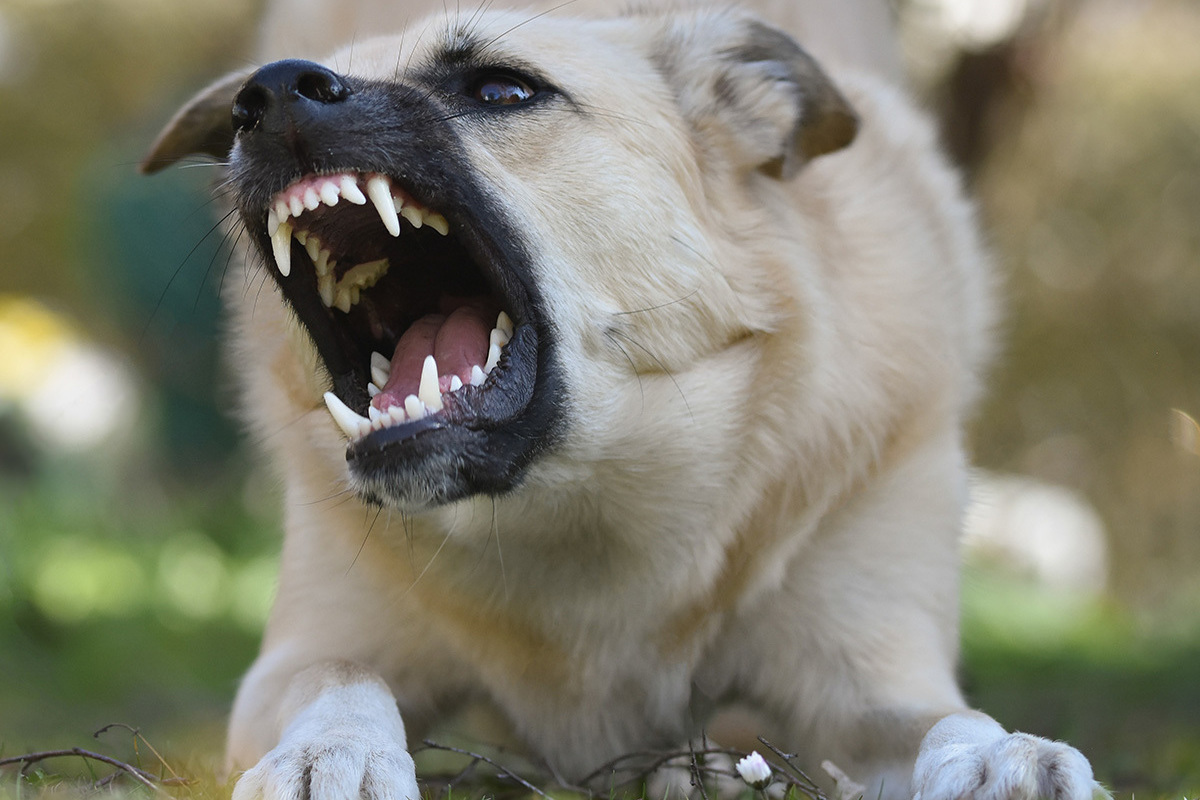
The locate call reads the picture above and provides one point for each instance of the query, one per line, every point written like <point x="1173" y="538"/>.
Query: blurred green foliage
<point x="134" y="577"/>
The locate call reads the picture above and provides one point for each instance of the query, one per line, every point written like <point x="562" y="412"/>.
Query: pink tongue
<point x="457" y="342"/>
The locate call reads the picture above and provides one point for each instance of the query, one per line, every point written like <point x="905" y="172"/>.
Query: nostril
<point x="322" y="86"/>
<point x="285" y="90"/>
<point x="249" y="107"/>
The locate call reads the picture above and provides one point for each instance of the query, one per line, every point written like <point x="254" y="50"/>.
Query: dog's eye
<point x="500" y="90"/>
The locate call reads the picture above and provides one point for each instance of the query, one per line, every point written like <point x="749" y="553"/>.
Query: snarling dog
<point x="615" y="370"/>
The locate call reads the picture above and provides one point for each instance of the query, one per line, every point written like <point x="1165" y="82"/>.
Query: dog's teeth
<point x="493" y="357"/>
<point x="282" y="212"/>
<point x="311" y="198"/>
<point x="478" y="376"/>
<point x="281" y="244"/>
<point x="413" y="215"/>
<point x="296" y="205"/>
<point x="321" y="262"/>
<point x="437" y="222"/>
<point x="397" y="414"/>
<point x="380" y="192"/>
<point x="350" y="423"/>
<point x="376" y="417"/>
<point x="455" y="383"/>
<point x="428" y="391"/>
<point x="381" y="369"/>
<point x="414" y="408"/>
<point x="372" y="389"/>
<point x="301" y="237"/>
<point x="330" y="194"/>
<point x="365" y="275"/>
<point x="498" y="338"/>
<point x="327" y="289"/>
<point x="341" y="300"/>
<point x="272" y="222"/>
<point x="313" y="245"/>
<point x="351" y="192"/>
<point x="505" y="325"/>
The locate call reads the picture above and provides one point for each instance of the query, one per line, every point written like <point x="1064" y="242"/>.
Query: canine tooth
<point x="272" y="222"/>
<point x="327" y="289"/>
<point x="347" y="420"/>
<point x="413" y="215"/>
<point x="311" y="198"/>
<point x="296" y="204"/>
<point x="478" y="376"/>
<point x="341" y="300"/>
<point x="372" y="389"/>
<point x="281" y="244"/>
<point x="351" y="192"/>
<point x="428" y="391"/>
<point x="313" y="245"/>
<point x="330" y="194"/>
<point x="414" y="408"/>
<point x="455" y="383"/>
<point x="498" y="338"/>
<point x="505" y="324"/>
<point x="438" y="223"/>
<point x="493" y="356"/>
<point x="381" y="368"/>
<point x="380" y="192"/>
<point x="398" y="414"/>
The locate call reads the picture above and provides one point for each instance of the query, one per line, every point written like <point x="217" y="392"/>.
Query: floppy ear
<point x="204" y="126"/>
<point x="749" y="84"/>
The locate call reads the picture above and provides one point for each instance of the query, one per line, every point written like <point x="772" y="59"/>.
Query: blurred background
<point x="138" y="535"/>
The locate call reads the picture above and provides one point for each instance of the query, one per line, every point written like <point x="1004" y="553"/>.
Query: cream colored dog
<point x="615" y="368"/>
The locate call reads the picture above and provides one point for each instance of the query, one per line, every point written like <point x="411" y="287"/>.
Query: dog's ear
<point x="204" y="126"/>
<point x="743" y="81"/>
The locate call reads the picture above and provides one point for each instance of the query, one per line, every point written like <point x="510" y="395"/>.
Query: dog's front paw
<point x="970" y="757"/>
<point x="339" y="748"/>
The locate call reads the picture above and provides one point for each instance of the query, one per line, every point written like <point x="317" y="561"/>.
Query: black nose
<point x="282" y="86"/>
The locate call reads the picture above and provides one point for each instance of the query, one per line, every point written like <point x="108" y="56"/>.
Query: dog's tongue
<point x="457" y="341"/>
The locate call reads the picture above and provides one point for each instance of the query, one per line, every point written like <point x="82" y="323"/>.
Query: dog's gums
<point x="435" y="357"/>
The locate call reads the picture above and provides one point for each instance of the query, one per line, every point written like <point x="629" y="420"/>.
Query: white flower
<point x="755" y="770"/>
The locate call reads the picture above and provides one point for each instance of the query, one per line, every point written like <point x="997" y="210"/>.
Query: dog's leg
<point x="855" y="655"/>
<point x="342" y="737"/>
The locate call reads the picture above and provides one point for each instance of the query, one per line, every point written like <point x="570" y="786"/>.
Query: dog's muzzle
<point x="415" y="287"/>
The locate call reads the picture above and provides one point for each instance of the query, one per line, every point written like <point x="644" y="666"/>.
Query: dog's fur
<point x="767" y="336"/>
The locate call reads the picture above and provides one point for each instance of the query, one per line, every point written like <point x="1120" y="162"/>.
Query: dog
<point x="615" y="367"/>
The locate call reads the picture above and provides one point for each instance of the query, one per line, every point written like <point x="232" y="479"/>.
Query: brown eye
<point x="501" y="90"/>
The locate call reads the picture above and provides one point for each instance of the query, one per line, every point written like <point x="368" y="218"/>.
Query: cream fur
<point x="759" y="490"/>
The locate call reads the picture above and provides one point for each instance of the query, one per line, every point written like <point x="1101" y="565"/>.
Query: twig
<point x="137" y="736"/>
<point x="801" y="779"/>
<point x="29" y="759"/>
<point x="660" y="758"/>
<point x="695" y="769"/>
<point x="477" y="757"/>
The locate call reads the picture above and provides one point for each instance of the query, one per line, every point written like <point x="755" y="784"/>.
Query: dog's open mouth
<point x="414" y="331"/>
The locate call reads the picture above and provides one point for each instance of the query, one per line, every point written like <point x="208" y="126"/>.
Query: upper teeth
<point x="390" y="202"/>
<point x="429" y="397"/>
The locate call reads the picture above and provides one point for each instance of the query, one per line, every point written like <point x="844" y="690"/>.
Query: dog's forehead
<point x="569" y="49"/>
